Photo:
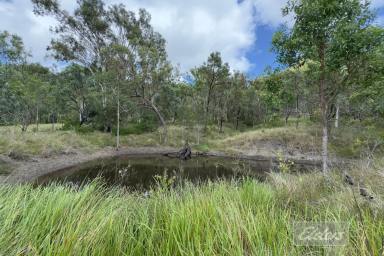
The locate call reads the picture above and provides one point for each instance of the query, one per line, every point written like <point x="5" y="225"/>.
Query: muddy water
<point x="142" y="172"/>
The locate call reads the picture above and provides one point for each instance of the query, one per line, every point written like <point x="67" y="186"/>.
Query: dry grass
<point x="304" y="141"/>
<point x="289" y="140"/>
<point x="46" y="141"/>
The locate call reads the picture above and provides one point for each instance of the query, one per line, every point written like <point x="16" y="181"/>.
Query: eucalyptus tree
<point x="292" y="92"/>
<point x="76" y="88"/>
<point x="16" y="97"/>
<point x="236" y="97"/>
<point x="35" y="81"/>
<point x="271" y="92"/>
<point x="366" y="94"/>
<point x="329" y="32"/>
<point x="81" y="38"/>
<point x="145" y="69"/>
<point x="94" y="36"/>
<point x="12" y="53"/>
<point x="209" y="78"/>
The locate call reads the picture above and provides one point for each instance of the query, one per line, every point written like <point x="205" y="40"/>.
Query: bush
<point x="69" y="125"/>
<point x="74" y="125"/>
<point x="84" y="129"/>
<point x="135" y="128"/>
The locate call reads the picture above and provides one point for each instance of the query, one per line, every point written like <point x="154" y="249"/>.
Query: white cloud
<point x="192" y="29"/>
<point x="17" y="17"/>
<point x="269" y="12"/>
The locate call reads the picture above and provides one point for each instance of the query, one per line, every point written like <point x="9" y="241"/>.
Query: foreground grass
<point x="224" y="218"/>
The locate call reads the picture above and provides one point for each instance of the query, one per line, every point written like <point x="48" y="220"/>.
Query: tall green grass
<point x="222" y="218"/>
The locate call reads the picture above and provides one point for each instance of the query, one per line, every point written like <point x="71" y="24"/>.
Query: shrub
<point x="84" y="129"/>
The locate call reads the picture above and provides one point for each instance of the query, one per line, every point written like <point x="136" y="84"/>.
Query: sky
<point x="241" y="30"/>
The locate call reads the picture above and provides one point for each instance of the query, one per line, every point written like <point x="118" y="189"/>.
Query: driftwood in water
<point x="185" y="153"/>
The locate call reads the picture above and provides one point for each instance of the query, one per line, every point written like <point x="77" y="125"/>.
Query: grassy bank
<point x="225" y="218"/>
<point x="350" y="140"/>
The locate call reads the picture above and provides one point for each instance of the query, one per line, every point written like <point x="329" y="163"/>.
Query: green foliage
<point x="233" y="218"/>
<point x="359" y="140"/>
<point x="165" y="181"/>
<point x="202" y="147"/>
<point x="285" y="166"/>
<point x="212" y="85"/>
<point x="84" y="129"/>
<point x="136" y="128"/>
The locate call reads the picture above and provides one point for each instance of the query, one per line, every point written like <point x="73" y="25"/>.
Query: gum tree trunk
<point x="324" y="110"/>
<point x="37" y="118"/>
<point x="161" y="119"/>
<point x="337" y="116"/>
<point x="118" y="121"/>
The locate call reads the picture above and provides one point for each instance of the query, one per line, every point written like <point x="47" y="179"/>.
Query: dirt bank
<point x="30" y="168"/>
<point x="34" y="167"/>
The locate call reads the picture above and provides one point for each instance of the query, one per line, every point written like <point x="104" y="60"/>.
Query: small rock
<point x="348" y="179"/>
<point x="364" y="192"/>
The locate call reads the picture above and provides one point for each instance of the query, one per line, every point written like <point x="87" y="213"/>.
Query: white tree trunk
<point x="163" y="139"/>
<point x="337" y="116"/>
<point x="37" y="118"/>
<point x="81" y="110"/>
<point x="324" y="150"/>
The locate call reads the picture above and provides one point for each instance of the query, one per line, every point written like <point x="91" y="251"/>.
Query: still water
<point x="142" y="172"/>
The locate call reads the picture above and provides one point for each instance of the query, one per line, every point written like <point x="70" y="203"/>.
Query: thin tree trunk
<point x="324" y="110"/>
<point x="161" y="119"/>
<point x="221" y="125"/>
<point x="337" y="115"/>
<point x="81" y="111"/>
<point x="287" y="114"/>
<point x="208" y="100"/>
<point x="237" y="119"/>
<point x="325" y="148"/>
<point x="37" y="118"/>
<point x="198" y="134"/>
<point x="118" y="121"/>
<point x="297" y="112"/>
<point x="53" y="122"/>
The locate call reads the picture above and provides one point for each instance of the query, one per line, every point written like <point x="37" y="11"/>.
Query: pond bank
<point x="34" y="167"/>
<point x="23" y="171"/>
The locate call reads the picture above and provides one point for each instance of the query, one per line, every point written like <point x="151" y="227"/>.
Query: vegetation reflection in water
<point x="144" y="171"/>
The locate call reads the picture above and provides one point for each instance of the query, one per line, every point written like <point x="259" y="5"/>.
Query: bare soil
<point x="22" y="171"/>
